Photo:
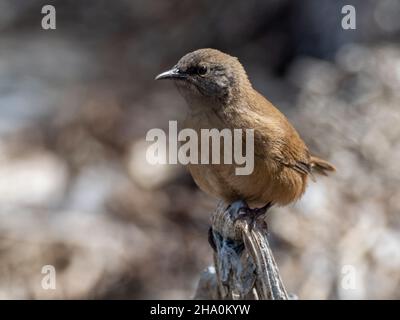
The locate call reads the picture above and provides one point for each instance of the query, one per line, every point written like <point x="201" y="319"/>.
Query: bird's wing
<point x="300" y="163"/>
<point x="276" y="138"/>
<point x="299" y="166"/>
<point x="287" y="148"/>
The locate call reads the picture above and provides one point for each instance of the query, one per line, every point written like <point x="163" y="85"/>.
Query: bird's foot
<point x="240" y="211"/>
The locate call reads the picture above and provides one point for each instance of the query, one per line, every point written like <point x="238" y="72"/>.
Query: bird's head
<point x="208" y="73"/>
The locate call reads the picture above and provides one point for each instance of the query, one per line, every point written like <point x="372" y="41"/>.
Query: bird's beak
<point x="174" y="73"/>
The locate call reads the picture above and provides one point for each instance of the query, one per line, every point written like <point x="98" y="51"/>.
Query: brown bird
<point x="220" y="95"/>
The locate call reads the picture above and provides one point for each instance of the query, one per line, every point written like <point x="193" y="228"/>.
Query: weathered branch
<point x="244" y="265"/>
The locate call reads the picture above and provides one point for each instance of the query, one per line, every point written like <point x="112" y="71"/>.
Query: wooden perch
<point x="244" y="265"/>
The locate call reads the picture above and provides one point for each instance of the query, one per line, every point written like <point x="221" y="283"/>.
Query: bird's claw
<point x="243" y="212"/>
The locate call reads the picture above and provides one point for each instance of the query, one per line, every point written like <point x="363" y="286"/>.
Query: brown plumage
<point x="219" y="95"/>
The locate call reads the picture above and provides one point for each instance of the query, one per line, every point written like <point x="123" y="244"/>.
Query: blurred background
<point x="75" y="106"/>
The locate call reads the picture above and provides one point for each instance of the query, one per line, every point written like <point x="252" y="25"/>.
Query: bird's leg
<point x="242" y="211"/>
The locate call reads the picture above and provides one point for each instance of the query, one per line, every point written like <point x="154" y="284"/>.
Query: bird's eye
<point x="201" y="70"/>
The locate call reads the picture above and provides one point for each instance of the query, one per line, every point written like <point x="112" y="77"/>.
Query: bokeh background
<point x="75" y="106"/>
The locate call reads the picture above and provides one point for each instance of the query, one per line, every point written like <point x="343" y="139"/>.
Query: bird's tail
<point x="321" y="166"/>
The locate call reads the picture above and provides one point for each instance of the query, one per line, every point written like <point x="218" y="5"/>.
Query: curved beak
<point x="174" y="73"/>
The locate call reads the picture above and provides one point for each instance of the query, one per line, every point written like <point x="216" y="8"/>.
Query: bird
<point x="220" y="95"/>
